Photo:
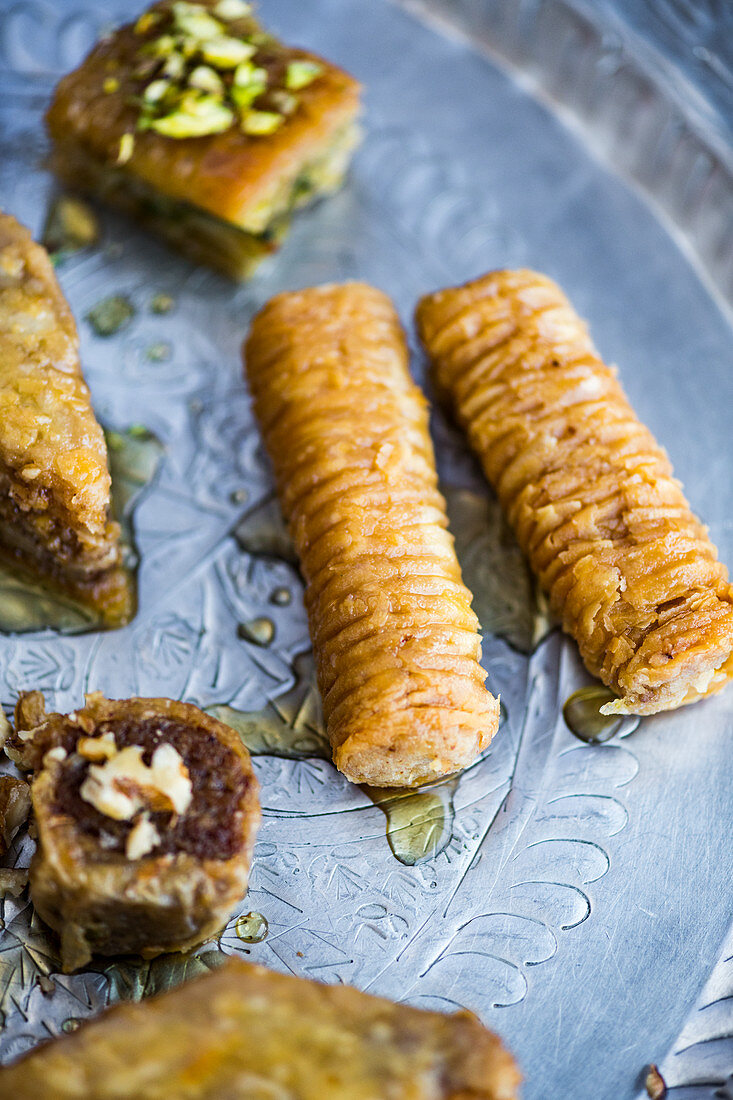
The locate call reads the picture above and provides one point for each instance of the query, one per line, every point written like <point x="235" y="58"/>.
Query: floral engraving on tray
<point x="702" y="1054"/>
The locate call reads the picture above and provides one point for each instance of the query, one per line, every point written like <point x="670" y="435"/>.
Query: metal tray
<point x="579" y="895"/>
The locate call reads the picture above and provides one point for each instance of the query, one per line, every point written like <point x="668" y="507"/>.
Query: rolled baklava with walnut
<point x="396" y="643"/>
<point x="629" y="569"/>
<point x="246" y="1032"/>
<point x="54" y="475"/>
<point x="146" y="812"/>
<point x="205" y="128"/>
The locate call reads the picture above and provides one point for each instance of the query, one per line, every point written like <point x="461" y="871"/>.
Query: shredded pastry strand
<point x="629" y="569"/>
<point x="396" y="643"/>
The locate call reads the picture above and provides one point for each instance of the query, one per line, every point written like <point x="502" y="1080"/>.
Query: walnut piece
<point x="15" y="805"/>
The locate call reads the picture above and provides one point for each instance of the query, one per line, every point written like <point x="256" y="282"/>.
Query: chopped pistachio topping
<point x="247" y="74"/>
<point x="194" y="20"/>
<point x="158" y="353"/>
<point x="244" y="97"/>
<point x="261" y="122"/>
<point x="162" y="303"/>
<point x="127" y="144"/>
<point x="204" y="69"/>
<point x="206" y="79"/>
<point x="301" y="73"/>
<point x="232" y="9"/>
<point x="156" y="90"/>
<point x="111" y="314"/>
<point x="174" y="65"/>
<point x="70" y="226"/>
<point x="111" y="84"/>
<point x="226" y="53"/>
<point x="195" y="118"/>
<point x="160" y="47"/>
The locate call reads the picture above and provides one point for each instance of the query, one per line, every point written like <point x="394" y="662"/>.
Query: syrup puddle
<point x="419" y="821"/>
<point x="251" y="927"/>
<point x="582" y="715"/>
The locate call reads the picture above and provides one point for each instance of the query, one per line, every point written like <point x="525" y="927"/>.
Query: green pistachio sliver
<point x="188" y="46"/>
<point x="301" y="73"/>
<point x="162" y="303"/>
<point x="226" y="52"/>
<point x="158" y="353"/>
<point x="156" y="90"/>
<point x="246" y="74"/>
<point x="194" y="20"/>
<point x="260" y="123"/>
<point x="183" y="124"/>
<point x="70" y="226"/>
<point x="111" y="314"/>
<point x="127" y="144"/>
<point x="243" y="97"/>
<point x="175" y="66"/>
<point x="160" y="47"/>
<point x="206" y="79"/>
<point x="199" y="104"/>
<point x="232" y="9"/>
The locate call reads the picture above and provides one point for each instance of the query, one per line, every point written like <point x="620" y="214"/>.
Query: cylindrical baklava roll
<point x="629" y="569"/>
<point x="396" y="643"/>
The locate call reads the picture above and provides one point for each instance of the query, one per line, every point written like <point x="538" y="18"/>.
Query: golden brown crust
<point x="101" y="900"/>
<point x="54" y="478"/>
<point x="247" y="1032"/>
<point x="49" y="435"/>
<point x="629" y="569"/>
<point x="15" y="804"/>
<point x="396" y="643"/>
<point x="231" y="175"/>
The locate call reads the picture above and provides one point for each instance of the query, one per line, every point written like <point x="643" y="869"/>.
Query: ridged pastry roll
<point x="629" y="569"/>
<point x="396" y="643"/>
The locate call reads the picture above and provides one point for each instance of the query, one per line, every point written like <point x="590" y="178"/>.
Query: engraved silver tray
<point x="580" y="899"/>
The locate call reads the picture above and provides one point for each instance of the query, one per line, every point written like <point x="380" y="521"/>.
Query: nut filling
<point x="208" y="829"/>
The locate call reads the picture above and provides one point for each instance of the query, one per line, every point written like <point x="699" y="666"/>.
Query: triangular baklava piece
<point x="54" y="477"/>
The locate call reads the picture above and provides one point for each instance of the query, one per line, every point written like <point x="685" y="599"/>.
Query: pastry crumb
<point x="656" y="1088"/>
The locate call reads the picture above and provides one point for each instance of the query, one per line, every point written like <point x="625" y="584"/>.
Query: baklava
<point x="54" y="477"/>
<point x="146" y="812"/>
<point x="630" y="571"/>
<point x="246" y="1033"/>
<point x="205" y="128"/>
<point x="15" y="804"/>
<point x="396" y="643"/>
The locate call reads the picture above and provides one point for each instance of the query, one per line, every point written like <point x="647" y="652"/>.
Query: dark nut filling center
<point x="210" y="828"/>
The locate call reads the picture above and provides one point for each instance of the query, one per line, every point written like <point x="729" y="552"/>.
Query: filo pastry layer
<point x="54" y="475"/>
<point x="396" y="643"/>
<point x="245" y="1033"/>
<point x="629" y="569"/>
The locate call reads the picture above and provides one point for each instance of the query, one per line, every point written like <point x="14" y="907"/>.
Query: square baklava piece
<point x="205" y="128"/>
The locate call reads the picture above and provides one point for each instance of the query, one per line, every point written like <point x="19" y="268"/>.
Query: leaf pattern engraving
<point x="700" y="1063"/>
<point x="545" y="846"/>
